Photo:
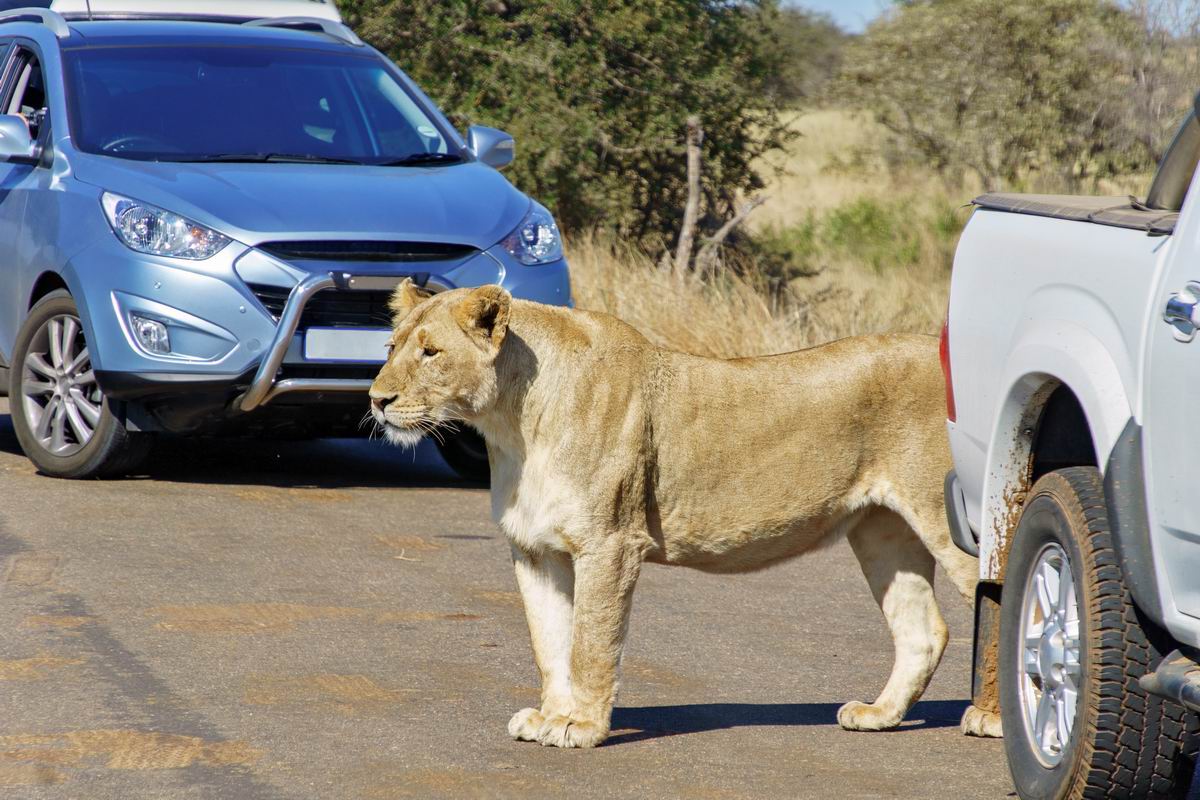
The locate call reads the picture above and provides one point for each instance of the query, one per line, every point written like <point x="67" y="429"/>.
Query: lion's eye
<point x="390" y="347"/>
<point x="430" y="351"/>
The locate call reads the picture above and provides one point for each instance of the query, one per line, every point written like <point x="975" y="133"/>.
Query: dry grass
<point x="732" y="317"/>
<point x="847" y="288"/>
<point x="725" y="319"/>
<point x="837" y="158"/>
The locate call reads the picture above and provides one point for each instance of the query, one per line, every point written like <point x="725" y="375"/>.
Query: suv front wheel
<point x="65" y="425"/>
<point x="1077" y="724"/>
<point x="465" y="451"/>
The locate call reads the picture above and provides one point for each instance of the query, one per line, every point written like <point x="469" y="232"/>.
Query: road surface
<point x="251" y="621"/>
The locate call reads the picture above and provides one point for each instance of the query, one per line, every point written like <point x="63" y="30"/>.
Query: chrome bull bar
<point x="264" y="388"/>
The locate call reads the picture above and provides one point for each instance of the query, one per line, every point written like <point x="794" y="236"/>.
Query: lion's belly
<point x="750" y="548"/>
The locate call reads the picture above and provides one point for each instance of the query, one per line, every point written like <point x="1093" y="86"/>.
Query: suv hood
<point x="467" y="203"/>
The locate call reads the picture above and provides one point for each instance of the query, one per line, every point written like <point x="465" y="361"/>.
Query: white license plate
<point x="347" y="344"/>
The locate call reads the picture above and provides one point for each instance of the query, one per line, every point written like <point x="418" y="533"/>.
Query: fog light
<point x="150" y="334"/>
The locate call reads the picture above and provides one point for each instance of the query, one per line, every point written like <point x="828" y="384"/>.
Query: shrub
<point x="1007" y="90"/>
<point x="597" y="93"/>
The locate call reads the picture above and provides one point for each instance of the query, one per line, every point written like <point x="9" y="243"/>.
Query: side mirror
<point x="492" y="147"/>
<point x="15" y="142"/>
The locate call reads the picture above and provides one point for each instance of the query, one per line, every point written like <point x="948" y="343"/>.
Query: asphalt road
<point x="251" y="621"/>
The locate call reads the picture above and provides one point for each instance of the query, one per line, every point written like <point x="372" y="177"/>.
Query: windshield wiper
<point x="258" y="158"/>
<point x="416" y="159"/>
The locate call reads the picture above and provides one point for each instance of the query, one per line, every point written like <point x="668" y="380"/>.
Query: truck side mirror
<point x="15" y="141"/>
<point x="492" y="147"/>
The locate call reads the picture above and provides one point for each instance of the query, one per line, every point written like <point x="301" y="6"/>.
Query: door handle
<point x="1183" y="311"/>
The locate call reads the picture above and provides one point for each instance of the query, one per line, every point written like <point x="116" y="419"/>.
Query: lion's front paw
<point x="560" y="731"/>
<point x="977" y="722"/>
<point x="525" y="724"/>
<point x="856" y="716"/>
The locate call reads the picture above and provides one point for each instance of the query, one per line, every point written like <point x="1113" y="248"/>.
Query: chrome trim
<point x="315" y="385"/>
<point x="56" y="22"/>
<point x="330" y="28"/>
<point x="264" y="378"/>
<point x="1182" y="311"/>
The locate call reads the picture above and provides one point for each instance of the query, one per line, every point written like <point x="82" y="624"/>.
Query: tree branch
<point x="708" y="253"/>
<point x="691" y="211"/>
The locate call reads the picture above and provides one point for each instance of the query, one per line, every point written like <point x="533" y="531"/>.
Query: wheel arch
<point x="1065" y="405"/>
<point x="49" y="281"/>
<point x="67" y="280"/>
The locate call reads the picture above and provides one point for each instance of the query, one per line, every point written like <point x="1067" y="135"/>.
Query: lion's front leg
<point x="605" y="574"/>
<point x="547" y="584"/>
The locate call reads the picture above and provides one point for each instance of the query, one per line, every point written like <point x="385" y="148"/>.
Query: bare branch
<point x="691" y="211"/>
<point x="707" y="258"/>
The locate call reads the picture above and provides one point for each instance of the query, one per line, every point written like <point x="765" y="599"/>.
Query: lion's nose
<point x="380" y="403"/>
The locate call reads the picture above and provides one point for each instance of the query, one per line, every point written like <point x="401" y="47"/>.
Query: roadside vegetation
<point x="834" y="170"/>
<point x="838" y="249"/>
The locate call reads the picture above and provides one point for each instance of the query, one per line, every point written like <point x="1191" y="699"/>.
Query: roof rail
<point x="51" y="19"/>
<point x="335" y="29"/>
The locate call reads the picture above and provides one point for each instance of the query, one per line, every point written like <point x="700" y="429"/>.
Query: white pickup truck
<point x="1073" y="389"/>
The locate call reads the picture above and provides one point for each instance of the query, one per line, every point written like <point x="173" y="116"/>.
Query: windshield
<point x="200" y="103"/>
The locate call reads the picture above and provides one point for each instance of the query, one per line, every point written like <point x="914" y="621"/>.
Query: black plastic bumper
<point x="144" y="385"/>
<point x="956" y="516"/>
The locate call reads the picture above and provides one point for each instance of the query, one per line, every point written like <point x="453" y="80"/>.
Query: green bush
<point x="597" y="93"/>
<point x="878" y="234"/>
<point x="784" y="254"/>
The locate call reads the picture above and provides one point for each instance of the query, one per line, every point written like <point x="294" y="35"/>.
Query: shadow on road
<point x="655" y="722"/>
<point x="319" y="463"/>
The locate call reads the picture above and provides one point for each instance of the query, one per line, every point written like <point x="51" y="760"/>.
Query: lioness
<point x="607" y="452"/>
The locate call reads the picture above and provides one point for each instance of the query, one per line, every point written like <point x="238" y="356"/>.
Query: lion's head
<point x="441" y="364"/>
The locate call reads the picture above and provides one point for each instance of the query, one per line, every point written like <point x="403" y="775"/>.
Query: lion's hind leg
<point x="927" y="516"/>
<point x="899" y="570"/>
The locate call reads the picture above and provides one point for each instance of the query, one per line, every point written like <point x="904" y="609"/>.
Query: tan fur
<point x="607" y="452"/>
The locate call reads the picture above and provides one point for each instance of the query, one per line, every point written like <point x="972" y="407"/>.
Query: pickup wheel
<point x="1077" y="724"/>
<point x="65" y="424"/>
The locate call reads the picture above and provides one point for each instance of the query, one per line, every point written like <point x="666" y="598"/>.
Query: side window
<point x="28" y="96"/>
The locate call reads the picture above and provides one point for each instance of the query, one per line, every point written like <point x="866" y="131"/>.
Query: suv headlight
<point x="536" y="240"/>
<point x="148" y="229"/>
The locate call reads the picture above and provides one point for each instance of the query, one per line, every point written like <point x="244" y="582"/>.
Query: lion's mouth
<point x="403" y="428"/>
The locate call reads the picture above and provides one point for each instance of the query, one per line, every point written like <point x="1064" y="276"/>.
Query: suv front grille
<point x="396" y="252"/>
<point x="331" y="308"/>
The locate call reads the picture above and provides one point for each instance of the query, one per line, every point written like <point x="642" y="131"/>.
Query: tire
<point x="60" y="449"/>
<point x="466" y="453"/>
<point x="1122" y="742"/>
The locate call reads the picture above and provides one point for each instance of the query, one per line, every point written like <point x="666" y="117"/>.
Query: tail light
<point x="944" y="355"/>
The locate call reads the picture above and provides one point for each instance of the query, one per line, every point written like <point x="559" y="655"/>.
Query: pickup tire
<point x="1120" y="741"/>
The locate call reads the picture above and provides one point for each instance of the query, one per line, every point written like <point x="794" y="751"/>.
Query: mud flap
<point x="985" y="657"/>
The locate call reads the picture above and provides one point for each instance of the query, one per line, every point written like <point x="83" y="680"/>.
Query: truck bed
<point x="1117" y="212"/>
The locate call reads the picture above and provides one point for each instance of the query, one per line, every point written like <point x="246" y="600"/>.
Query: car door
<point x="23" y="92"/>
<point x="1171" y="436"/>
<point x="12" y="205"/>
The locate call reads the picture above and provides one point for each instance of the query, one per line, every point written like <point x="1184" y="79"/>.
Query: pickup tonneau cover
<point x="1118" y="212"/>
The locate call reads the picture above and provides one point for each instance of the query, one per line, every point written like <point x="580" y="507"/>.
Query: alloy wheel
<point x="61" y="398"/>
<point x="1049" y="675"/>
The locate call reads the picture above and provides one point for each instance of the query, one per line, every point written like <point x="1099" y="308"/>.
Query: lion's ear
<point x="406" y="297"/>
<point x="483" y="314"/>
